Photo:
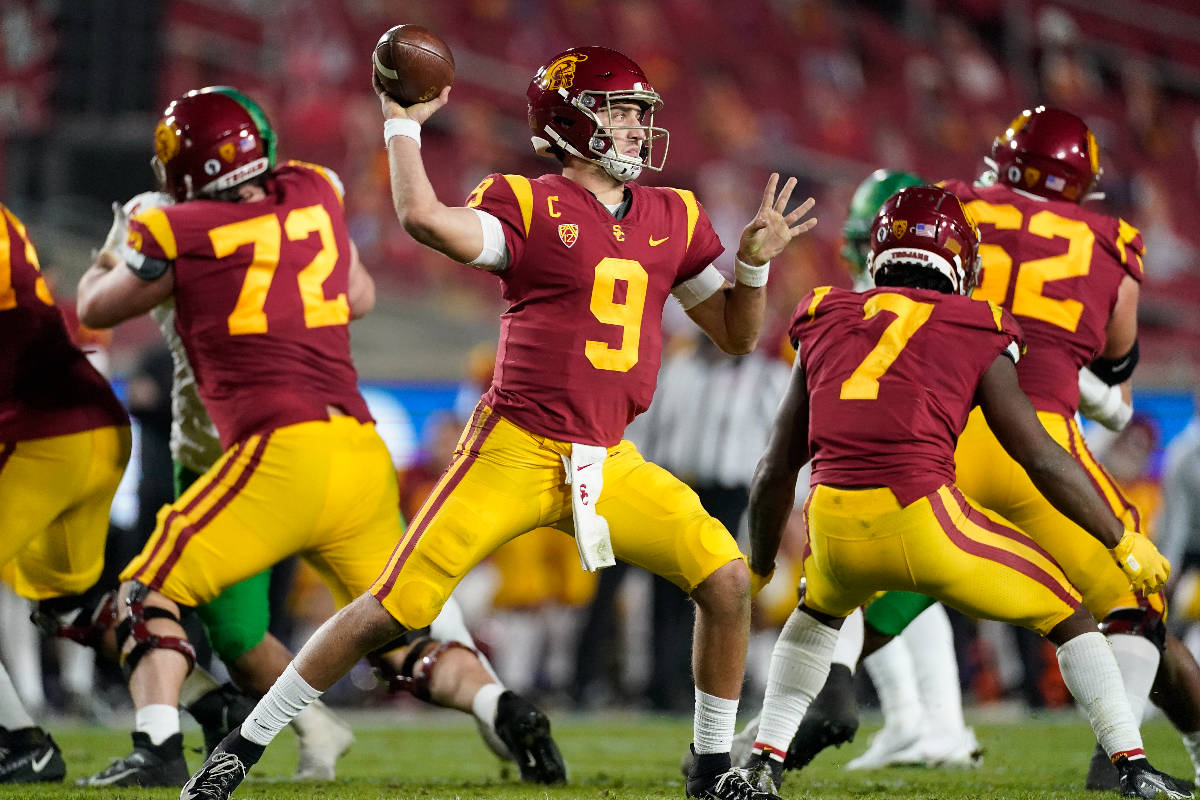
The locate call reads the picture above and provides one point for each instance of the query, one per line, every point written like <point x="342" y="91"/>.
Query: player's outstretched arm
<point x="733" y="316"/>
<point x="454" y="231"/>
<point x="773" y="489"/>
<point x="110" y="293"/>
<point x="1060" y="478"/>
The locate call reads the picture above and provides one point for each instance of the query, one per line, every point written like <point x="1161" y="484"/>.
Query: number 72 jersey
<point x="261" y="300"/>
<point x="1057" y="267"/>
<point x="892" y="375"/>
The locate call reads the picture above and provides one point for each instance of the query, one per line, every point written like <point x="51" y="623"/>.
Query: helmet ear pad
<point x="925" y="228"/>
<point x="570" y="107"/>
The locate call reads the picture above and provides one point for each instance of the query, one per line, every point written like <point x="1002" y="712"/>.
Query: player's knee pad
<point x="84" y="618"/>
<point x="134" y="627"/>
<point x="425" y="651"/>
<point x="1144" y="621"/>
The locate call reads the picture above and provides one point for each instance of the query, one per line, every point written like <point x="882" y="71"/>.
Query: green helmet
<point x="868" y="198"/>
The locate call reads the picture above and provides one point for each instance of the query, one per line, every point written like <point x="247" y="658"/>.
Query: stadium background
<point x="823" y="90"/>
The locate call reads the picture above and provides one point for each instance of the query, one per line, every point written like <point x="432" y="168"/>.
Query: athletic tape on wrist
<point x="401" y="127"/>
<point x="748" y="275"/>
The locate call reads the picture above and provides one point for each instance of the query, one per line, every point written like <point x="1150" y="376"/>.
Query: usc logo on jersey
<point x="560" y="73"/>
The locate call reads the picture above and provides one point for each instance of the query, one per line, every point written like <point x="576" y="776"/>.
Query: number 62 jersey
<point x="891" y="376"/>
<point x="581" y="340"/>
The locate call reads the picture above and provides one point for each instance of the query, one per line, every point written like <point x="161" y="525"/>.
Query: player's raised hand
<point x="770" y="230"/>
<point x="418" y="111"/>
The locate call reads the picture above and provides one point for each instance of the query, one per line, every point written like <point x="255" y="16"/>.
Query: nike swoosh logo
<point x="585" y="466"/>
<point x="111" y="778"/>
<point x="656" y="242"/>
<point x="39" y="764"/>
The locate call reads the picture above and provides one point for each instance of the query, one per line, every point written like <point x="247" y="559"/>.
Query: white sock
<point x="850" y="641"/>
<point x="1137" y="658"/>
<point x="930" y="642"/>
<point x="289" y="695"/>
<point x="892" y="671"/>
<point x="799" y="667"/>
<point x="197" y="684"/>
<point x="1191" y="743"/>
<point x="159" y="721"/>
<point x="12" y="711"/>
<point x="1090" y="672"/>
<point x="712" y="727"/>
<point x="483" y="704"/>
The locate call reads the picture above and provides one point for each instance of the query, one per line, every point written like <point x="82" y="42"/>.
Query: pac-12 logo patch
<point x="568" y="232"/>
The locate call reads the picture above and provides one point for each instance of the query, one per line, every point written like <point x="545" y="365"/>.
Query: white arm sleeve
<point x="1103" y="403"/>
<point x="494" y="256"/>
<point x="696" y="290"/>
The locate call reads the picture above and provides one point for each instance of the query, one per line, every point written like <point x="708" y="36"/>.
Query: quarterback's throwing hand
<point x="418" y="111"/>
<point x="770" y="230"/>
<point x="1146" y="568"/>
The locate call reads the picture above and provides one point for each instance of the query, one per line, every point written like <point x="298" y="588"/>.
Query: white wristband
<point x="747" y="275"/>
<point x="401" y="127"/>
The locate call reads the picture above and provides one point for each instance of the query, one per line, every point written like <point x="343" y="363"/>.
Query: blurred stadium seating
<point x="821" y="89"/>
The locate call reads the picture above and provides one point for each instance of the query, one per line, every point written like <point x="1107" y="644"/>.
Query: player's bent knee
<point x="134" y="637"/>
<point x="727" y="585"/>
<point x="415" y="602"/>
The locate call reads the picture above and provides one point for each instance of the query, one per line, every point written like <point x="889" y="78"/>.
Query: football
<point x="413" y="64"/>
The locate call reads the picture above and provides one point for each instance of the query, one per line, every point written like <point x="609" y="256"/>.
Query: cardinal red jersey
<point x="891" y="377"/>
<point x="581" y="340"/>
<point x="47" y="385"/>
<point x="261" y="301"/>
<point x="1056" y="266"/>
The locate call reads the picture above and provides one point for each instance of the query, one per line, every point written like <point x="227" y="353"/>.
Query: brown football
<point x="413" y="64"/>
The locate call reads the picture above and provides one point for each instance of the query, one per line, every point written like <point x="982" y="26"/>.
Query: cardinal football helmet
<point x="573" y="88"/>
<point x="868" y="198"/>
<point x="210" y="140"/>
<point x="930" y="228"/>
<point x="1048" y="152"/>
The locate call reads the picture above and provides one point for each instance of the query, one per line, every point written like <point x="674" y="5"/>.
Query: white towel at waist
<point x="585" y="476"/>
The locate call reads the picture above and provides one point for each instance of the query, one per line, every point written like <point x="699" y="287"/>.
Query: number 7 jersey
<point x="1057" y="267"/>
<point x="581" y="340"/>
<point x="261" y="300"/>
<point x="891" y="376"/>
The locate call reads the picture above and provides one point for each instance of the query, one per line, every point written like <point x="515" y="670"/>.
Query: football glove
<point x="1146" y="568"/>
<point x="121" y="215"/>
<point x="757" y="582"/>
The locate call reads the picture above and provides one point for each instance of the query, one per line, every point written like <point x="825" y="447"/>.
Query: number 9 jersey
<point x="581" y="340"/>
<point x="260" y="299"/>
<point x="1056" y="267"/>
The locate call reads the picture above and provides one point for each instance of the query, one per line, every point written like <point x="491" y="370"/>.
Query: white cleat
<point x="890" y="747"/>
<point x="325" y="738"/>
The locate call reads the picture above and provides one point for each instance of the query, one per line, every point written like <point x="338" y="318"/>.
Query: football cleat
<point x="764" y="773"/>
<point x="733" y="784"/>
<point x="219" y="711"/>
<point x="1139" y="779"/>
<point x="525" y="731"/>
<point x="29" y="755"/>
<point x="322" y="745"/>
<point x="830" y="721"/>
<point x="223" y="770"/>
<point x="1102" y="775"/>
<point x="148" y="765"/>
<point x="890" y="747"/>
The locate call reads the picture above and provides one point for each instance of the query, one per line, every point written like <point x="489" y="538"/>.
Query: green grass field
<point x="439" y="756"/>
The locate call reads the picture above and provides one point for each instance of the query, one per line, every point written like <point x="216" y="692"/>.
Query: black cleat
<point x="29" y="755"/>
<point x="764" y="773"/>
<point x="831" y="719"/>
<point x="734" y="784"/>
<point x="220" y="711"/>
<point x="525" y="731"/>
<point x="223" y="770"/>
<point x="148" y="765"/>
<point x="1139" y="779"/>
<point x="1102" y="775"/>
